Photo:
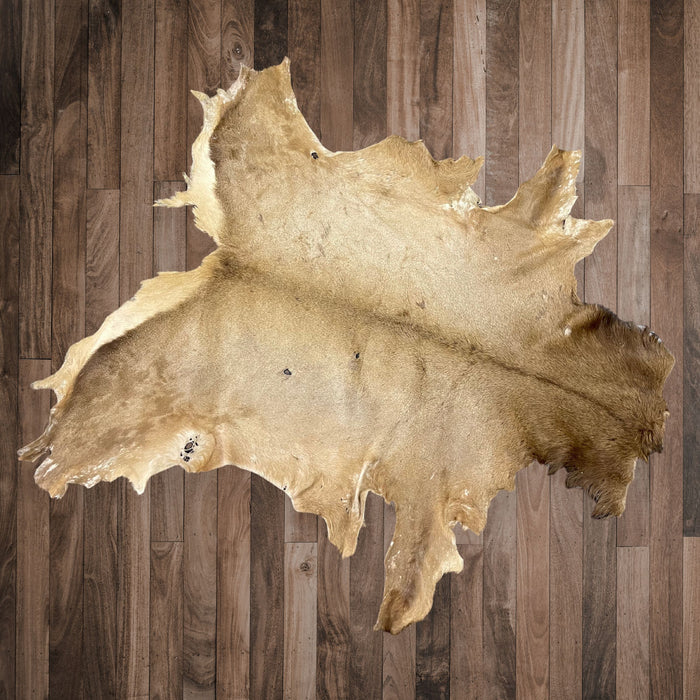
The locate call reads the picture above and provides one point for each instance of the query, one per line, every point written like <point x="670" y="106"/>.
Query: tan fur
<point x="364" y="325"/>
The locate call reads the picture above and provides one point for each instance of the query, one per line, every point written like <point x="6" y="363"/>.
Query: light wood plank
<point x="691" y="617"/>
<point x="632" y="623"/>
<point x="691" y="96"/>
<point x="403" y="68"/>
<point x="300" y="583"/>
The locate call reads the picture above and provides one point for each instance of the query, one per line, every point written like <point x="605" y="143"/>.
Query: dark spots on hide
<point x="420" y="304"/>
<point x="288" y="372"/>
<point x="189" y="448"/>
<point x="314" y="155"/>
<point x="357" y="355"/>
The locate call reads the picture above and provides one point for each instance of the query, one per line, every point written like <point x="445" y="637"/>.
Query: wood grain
<point x="33" y="562"/>
<point x="403" y="68"/>
<point x="633" y="93"/>
<point x="10" y="88"/>
<point x="171" y="141"/>
<point x="36" y="183"/>
<point x="169" y="253"/>
<point x="237" y="24"/>
<point x="104" y="94"/>
<point x="691" y="367"/>
<point x="233" y="583"/>
<point x="9" y="368"/>
<point x="691" y="617"/>
<point x="691" y="96"/>
<point x="466" y="622"/>
<point x="270" y="33"/>
<point x="300" y="580"/>
<point x="100" y="504"/>
<point x="632" y="623"/>
<point x="666" y="227"/>
<point x="199" y="586"/>
<point x="633" y="305"/>
<point x="565" y="592"/>
<point x="304" y="43"/>
<point x="167" y="620"/>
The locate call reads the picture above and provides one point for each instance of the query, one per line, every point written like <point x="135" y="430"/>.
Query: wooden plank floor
<point x="211" y="585"/>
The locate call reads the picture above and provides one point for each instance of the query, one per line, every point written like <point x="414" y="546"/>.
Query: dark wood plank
<point x="32" y="544"/>
<point x="599" y="560"/>
<point x="199" y="586"/>
<point x="135" y="264"/>
<point x="532" y="583"/>
<point x="666" y="226"/>
<point x="565" y="596"/>
<point x="104" y="94"/>
<point x="237" y="22"/>
<point x="466" y="625"/>
<point x="633" y="92"/>
<point x="300" y="579"/>
<point x="68" y="326"/>
<point x="469" y="87"/>
<point x="10" y="89"/>
<point x="9" y="368"/>
<point x="399" y="667"/>
<point x="304" y="40"/>
<point x="691" y="102"/>
<point x="266" y="589"/>
<point x="166" y="623"/>
<point x="691" y="367"/>
<point x="501" y="173"/>
<point x="170" y="148"/>
<point x="169" y="253"/>
<point x="270" y="33"/>
<point x="433" y="646"/>
<point x="633" y="305"/>
<point x="436" y="41"/>
<point x="233" y="584"/>
<point x="36" y="184"/>
<point x="691" y="616"/>
<point x="632" y="623"/>
<point x="100" y="503"/>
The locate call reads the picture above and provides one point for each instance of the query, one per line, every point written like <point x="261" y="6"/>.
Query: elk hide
<point x="364" y="325"/>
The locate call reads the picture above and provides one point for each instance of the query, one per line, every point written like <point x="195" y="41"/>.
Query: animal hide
<point x="364" y="325"/>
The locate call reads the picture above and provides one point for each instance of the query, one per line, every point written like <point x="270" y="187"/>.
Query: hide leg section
<point x="422" y="550"/>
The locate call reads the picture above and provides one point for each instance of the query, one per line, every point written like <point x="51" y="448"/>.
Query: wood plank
<point x="266" y="589"/>
<point x="599" y="551"/>
<point x="166" y="623"/>
<point x="569" y="76"/>
<point x="9" y="368"/>
<point x="633" y="305"/>
<point x="532" y="583"/>
<point x="270" y="33"/>
<point x="466" y="624"/>
<point x="469" y="86"/>
<point x="403" y="68"/>
<point x="169" y="253"/>
<point x="691" y="617"/>
<point x="691" y="102"/>
<point x="565" y="594"/>
<point x="632" y="623"/>
<point x="233" y="584"/>
<point x="666" y="226"/>
<point x="399" y="666"/>
<point x="171" y="145"/>
<point x="32" y="544"/>
<point x="135" y="264"/>
<point x="10" y="88"/>
<point x="691" y="367"/>
<point x="237" y="23"/>
<point x="101" y="502"/>
<point x="68" y="326"/>
<point x="104" y="94"/>
<point x="199" y="586"/>
<point x="300" y="579"/>
<point x="304" y="39"/>
<point x="633" y="93"/>
<point x="36" y="184"/>
<point x="501" y="181"/>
